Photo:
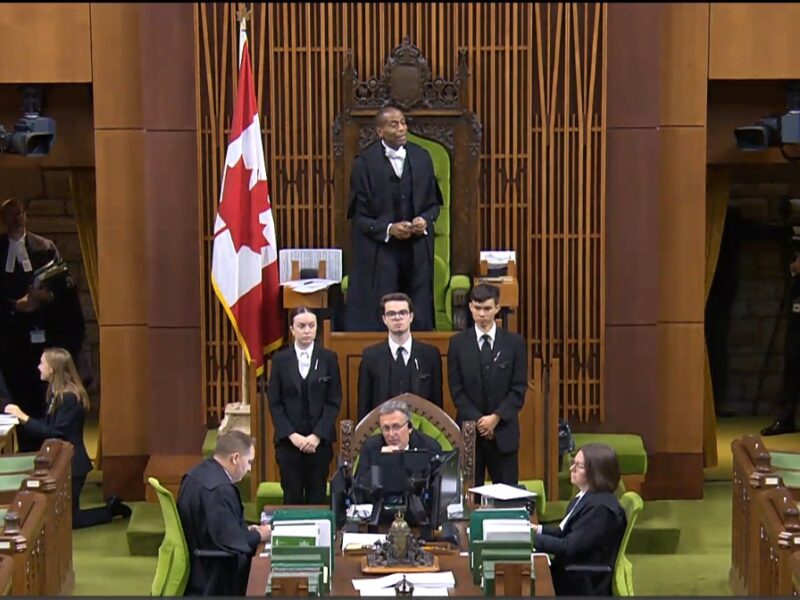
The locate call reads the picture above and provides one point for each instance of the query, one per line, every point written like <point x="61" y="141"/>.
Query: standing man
<point x="212" y="517"/>
<point x="304" y="395"/>
<point x="488" y="376"/>
<point x="402" y="365"/>
<point x="394" y="200"/>
<point x="32" y="317"/>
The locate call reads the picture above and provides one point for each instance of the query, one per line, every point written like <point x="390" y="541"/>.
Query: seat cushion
<point x="629" y="448"/>
<point x="17" y="463"/>
<point x="783" y="460"/>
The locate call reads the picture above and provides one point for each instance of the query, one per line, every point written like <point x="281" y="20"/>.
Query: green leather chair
<point x="446" y="287"/>
<point x="172" y="569"/>
<point x="622" y="583"/>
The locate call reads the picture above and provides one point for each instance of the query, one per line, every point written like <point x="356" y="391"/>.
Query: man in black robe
<point x="32" y="317"/>
<point x="212" y="517"/>
<point x="394" y="200"/>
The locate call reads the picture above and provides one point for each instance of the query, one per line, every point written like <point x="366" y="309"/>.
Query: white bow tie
<point x="399" y="153"/>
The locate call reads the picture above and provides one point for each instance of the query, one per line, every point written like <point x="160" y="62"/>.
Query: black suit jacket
<point x="509" y="381"/>
<point x="373" y="444"/>
<point x="284" y="393"/>
<point x="212" y="516"/>
<point x="371" y="210"/>
<point x="65" y="422"/>
<point x="591" y="536"/>
<point x="373" y="375"/>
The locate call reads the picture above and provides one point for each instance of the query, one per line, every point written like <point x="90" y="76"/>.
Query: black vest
<point x="401" y="192"/>
<point x="399" y="378"/>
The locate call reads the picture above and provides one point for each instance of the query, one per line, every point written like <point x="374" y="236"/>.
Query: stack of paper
<point x="507" y="530"/>
<point x="425" y="584"/>
<point x="502" y="491"/>
<point x="288" y="533"/>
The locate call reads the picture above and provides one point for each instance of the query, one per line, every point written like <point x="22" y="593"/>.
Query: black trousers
<point x="304" y="477"/>
<point x="503" y="467"/>
<point x="86" y="517"/>
<point x="403" y="275"/>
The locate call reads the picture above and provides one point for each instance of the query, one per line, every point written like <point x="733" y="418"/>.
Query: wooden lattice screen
<point x="537" y="84"/>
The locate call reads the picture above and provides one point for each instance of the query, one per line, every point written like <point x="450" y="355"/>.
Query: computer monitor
<point x="399" y="481"/>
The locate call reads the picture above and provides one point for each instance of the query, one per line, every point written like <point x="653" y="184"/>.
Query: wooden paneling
<point x="684" y="62"/>
<point x="633" y="90"/>
<point x="124" y="419"/>
<point x="45" y="42"/>
<point x="537" y="84"/>
<point x="117" y="65"/>
<point x="120" y="228"/>
<point x="174" y="378"/>
<point x="680" y="387"/>
<point x="674" y="475"/>
<point x="681" y="232"/>
<point x="171" y="225"/>
<point x="754" y="40"/>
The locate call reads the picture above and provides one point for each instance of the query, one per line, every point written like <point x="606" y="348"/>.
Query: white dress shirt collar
<point x="298" y="351"/>
<point x="18" y="252"/>
<point x="491" y="333"/>
<point x="396" y="157"/>
<point x="393" y="346"/>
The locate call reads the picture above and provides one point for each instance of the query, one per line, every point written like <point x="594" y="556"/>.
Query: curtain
<point x="82" y="197"/>
<point x="717" y="191"/>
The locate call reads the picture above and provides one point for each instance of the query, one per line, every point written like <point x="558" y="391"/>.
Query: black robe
<point x="591" y="536"/>
<point x="212" y="517"/>
<point x="372" y="210"/>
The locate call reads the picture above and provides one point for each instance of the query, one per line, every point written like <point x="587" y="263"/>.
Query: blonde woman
<point x="67" y="403"/>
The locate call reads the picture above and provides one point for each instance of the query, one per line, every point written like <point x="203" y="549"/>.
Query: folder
<point x="482" y="551"/>
<point x="479" y="516"/>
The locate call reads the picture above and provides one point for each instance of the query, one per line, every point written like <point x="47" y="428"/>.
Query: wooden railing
<point x="23" y="539"/>
<point x="778" y="521"/>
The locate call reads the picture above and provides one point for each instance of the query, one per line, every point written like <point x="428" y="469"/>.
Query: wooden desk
<point x="347" y="568"/>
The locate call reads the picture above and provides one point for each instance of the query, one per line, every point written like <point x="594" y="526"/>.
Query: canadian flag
<point x="244" y="264"/>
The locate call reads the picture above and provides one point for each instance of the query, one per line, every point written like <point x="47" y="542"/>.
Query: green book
<point x="482" y="514"/>
<point x="481" y="551"/>
<point x="292" y="557"/>
<point x="321" y="516"/>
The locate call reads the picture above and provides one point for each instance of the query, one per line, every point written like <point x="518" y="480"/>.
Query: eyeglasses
<point x="394" y="428"/>
<point x="391" y="314"/>
<point x="577" y="464"/>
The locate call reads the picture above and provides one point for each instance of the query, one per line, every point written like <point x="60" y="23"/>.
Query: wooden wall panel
<point x="681" y="226"/>
<point x="45" y="42"/>
<point x="120" y="227"/>
<point x="684" y="63"/>
<point x="125" y="415"/>
<point x="537" y="84"/>
<point x="754" y="40"/>
<point x="116" y="65"/>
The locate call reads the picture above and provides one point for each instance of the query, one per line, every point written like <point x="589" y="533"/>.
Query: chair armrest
<point x="213" y="553"/>
<point x="588" y="569"/>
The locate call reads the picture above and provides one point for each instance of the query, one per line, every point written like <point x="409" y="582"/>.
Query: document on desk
<point x="309" y="286"/>
<point x="424" y="592"/>
<point x="502" y="491"/>
<point x="428" y="581"/>
<point x="359" y="540"/>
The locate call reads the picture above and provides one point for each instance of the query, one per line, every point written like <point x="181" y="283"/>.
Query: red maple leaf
<point x="240" y="207"/>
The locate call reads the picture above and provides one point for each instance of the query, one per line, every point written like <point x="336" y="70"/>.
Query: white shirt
<point x="304" y="358"/>
<point x="393" y="346"/>
<point x="18" y="252"/>
<point x="491" y="333"/>
<point x="569" y="514"/>
<point x="396" y="158"/>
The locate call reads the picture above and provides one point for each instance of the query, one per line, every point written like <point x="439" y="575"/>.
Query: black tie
<point x="399" y="360"/>
<point x="486" y="349"/>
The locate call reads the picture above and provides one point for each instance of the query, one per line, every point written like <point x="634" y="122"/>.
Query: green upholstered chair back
<point x="172" y="569"/>
<point x="623" y="570"/>
<point x="441" y="242"/>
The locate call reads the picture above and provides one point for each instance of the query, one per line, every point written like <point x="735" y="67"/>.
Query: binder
<point x="483" y="552"/>
<point x="482" y="514"/>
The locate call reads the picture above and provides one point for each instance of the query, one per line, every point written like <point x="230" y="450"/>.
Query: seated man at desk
<point x="397" y="435"/>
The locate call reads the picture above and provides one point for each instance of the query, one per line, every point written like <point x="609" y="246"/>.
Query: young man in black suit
<point x="304" y="395"/>
<point x="397" y="436"/>
<point x="384" y="374"/>
<point x="488" y="376"/>
<point x="394" y="200"/>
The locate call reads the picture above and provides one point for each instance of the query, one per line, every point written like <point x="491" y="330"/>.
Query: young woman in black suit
<point x="67" y="403"/>
<point x="592" y="530"/>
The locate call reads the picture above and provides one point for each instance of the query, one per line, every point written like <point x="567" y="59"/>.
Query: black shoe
<point x="117" y="508"/>
<point x="779" y="427"/>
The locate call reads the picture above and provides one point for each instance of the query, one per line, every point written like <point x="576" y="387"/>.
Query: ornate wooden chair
<point x="427" y="418"/>
<point x="440" y="122"/>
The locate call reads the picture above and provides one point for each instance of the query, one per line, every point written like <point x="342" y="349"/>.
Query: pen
<point x="416" y="364"/>
<point x="498" y="356"/>
<point x="316" y="365"/>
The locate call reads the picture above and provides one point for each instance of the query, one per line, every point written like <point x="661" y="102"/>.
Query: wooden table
<point x="347" y="568"/>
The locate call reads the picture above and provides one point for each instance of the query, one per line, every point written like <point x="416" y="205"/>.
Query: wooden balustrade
<point x="778" y="521"/>
<point x="23" y="539"/>
<point x="753" y="476"/>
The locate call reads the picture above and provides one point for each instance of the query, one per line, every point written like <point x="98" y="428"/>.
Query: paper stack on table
<point x="425" y="584"/>
<point x="502" y="491"/>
